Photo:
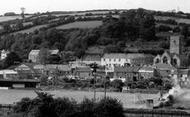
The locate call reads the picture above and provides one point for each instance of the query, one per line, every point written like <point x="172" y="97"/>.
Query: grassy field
<point x="178" y="20"/>
<point x="128" y="100"/>
<point x="81" y="24"/>
<point x="8" y="18"/>
<point x="30" y="30"/>
<point x="82" y="13"/>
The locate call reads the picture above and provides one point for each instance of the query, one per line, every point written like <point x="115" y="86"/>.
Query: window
<point x="110" y="59"/>
<point x="157" y="60"/>
<point x="104" y="59"/>
<point x="165" y="60"/>
<point x="114" y="60"/>
<point x="119" y="59"/>
<point x="174" y="62"/>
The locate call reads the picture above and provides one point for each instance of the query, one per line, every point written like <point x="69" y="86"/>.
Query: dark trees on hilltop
<point x="131" y="26"/>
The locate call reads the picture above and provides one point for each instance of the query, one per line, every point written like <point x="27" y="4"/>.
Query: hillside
<point x="81" y="24"/>
<point x="101" y="31"/>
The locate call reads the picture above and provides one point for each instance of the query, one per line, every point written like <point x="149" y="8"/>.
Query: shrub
<point x="86" y="108"/>
<point x="23" y="105"/>
<point x="109" y="107"/>
<point x="47" y="106"/>
<point x="65" y="107"/>
<point x="117" y="84"/>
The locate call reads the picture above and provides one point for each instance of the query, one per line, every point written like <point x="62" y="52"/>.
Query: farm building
<point x="34" y="55"/>
<point x="10" y="83"/>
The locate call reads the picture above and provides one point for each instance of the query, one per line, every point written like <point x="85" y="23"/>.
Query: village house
<point x="91" y="58"/>
<point x="139" y="59"/>
<point x="130" y="73"/>
<point x="183" y="78"/>
<point x="112" y="60"/>
<point x="57" y="69"/>
<point x="83" y="73"/>
<point x="76" y="64"/>
<point x="4" y="54"/>
<point x="26" y="71"/>
<point x="34" y="55"/>
<point x="164" y="70"/>
<point x="8" y="74"/>
<point x="146" y="72"/>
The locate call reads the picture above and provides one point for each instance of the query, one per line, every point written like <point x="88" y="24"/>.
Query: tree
<point x="7" y="27"/>
<point x="43" y="55"/>
<point x="185" y="31"/>
<point x="117" y="84"/>
<point x="19" y="25"/>
<point x="53" y="59"/>
<point x="11" y="59"/>
<point x="109" y="107"/>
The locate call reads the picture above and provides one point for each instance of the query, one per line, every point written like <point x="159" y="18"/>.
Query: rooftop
<point x="127" y="69"/>
<point x="115" y="55"/>
<point x="162" y="66"/>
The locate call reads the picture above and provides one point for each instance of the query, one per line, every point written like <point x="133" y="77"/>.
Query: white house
<point x="4" y="54"/>
<point x="114" y="59"/>
<point x="8" y="74"/>
<point x="34" y="55"/>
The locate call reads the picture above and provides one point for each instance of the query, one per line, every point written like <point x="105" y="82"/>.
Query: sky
<point x="33" y="6"/>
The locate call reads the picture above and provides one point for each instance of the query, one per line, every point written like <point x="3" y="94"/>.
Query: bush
<point x="23" y="105"/>
<point x="46" y="106"/>
<point x="65" y="107"/>
<point x="109" y="107"/>
<point x="86" y="108"/>
<point x="117" y="84"/>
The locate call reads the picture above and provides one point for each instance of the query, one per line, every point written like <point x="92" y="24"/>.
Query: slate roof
<point x="115" y="55"/>
<point x="34" y="52"/>
<point x="146" y="68"/>
<point x="25" y="68"/>
<point x="183" y="71"/>
<point x="162" y="66"/>
<point x="92" y="57"/>
<point x="127" y="69"/>
<point x="138" y="55"/>
<point x="59" y="67"/>
<point x="83" y="69"/>
<point x="54" y="51"/>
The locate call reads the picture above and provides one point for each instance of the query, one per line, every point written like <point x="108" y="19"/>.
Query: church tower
<point x="175" y="44"/>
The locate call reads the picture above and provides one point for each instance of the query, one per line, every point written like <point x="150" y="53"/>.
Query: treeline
<point x="44" y="105"/>
<point x="179" y="14"/>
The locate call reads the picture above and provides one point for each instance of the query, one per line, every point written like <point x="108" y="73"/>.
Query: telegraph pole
<point x="105" y="85"/>
<point x="94" y="67"/>
<point x="105" y="81"/>
<point x="22" y="12"/>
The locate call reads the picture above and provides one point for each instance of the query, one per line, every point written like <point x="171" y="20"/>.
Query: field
<point x="82" y="13"/>
<point x="178" y="20"/>
<point x="30" y="30"/>
<point x="81" y="24"/>
<point x="8" y="18"/>
<point x="128" y="100"/>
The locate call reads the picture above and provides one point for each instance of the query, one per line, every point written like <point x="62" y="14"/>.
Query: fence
<point x="155" y="113"/>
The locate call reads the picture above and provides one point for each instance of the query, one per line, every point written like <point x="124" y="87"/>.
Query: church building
<point x="174" y="56"/>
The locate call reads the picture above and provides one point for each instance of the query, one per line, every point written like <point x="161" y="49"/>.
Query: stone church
<point x="174" y="56"/>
